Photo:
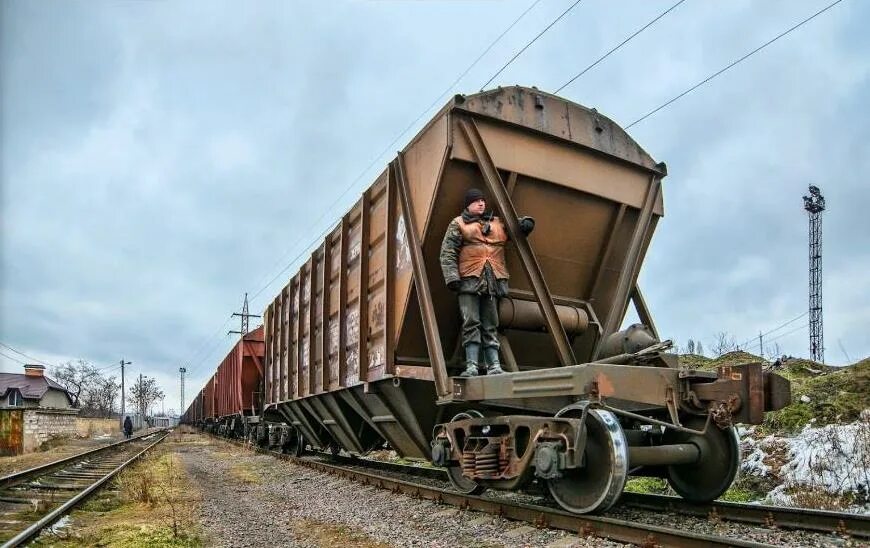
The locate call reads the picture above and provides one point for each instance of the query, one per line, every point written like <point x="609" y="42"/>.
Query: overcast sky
<point x="160" y="159"/>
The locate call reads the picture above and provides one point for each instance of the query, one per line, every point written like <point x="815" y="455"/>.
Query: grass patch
<point x="648" y="486"/>
<point x="148" y="505"/>
<point x="829" y="397"/>
<point x="329" y="534"/>
<point x="244" y="474"/>
<point x="740" y="494"/>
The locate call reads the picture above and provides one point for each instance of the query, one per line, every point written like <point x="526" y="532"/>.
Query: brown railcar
<point x="362" y="345"/>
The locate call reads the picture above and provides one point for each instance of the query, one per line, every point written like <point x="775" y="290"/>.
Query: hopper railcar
<point x="362" y="345"/>
<point x="230" y="401"/>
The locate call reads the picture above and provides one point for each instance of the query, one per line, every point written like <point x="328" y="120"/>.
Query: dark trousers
<point x="479" y="319"/>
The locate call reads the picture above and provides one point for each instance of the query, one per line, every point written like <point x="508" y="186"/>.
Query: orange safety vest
<point x="477" y="249"/>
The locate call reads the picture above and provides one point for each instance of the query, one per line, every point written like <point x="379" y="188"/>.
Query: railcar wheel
<point x="454" y="473"/>
<point x="714" y="473"/>
<point x="596" y="486"/>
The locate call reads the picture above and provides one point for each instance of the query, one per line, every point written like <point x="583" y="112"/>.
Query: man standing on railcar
<point x="473" y="264"/>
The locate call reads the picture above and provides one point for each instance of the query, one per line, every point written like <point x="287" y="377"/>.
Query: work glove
<point x="453" y="286"/>
<point x="527" y="225"/>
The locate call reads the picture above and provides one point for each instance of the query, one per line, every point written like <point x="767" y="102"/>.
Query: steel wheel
<point x="596" y="486"/>
<point x="714" y="473"/>
<point x="295" y="445"/>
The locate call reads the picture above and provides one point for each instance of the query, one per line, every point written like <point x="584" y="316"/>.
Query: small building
<point x="33" y="410"/>
<point x="32" y="389"/>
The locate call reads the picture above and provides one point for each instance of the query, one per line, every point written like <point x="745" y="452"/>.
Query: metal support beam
<point x="497" y="191"/>
<point x="643" y="310"/>
<point x="628" y="274"/>
<point x="421" y="280"/>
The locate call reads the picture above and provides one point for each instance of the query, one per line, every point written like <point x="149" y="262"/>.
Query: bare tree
<point x="104" y="395"/>
<point x="723" y="343"/>
<point x="699" y="348"/>
<point x="690" y="347"/>
<point x="143" y="393"/>
<point x="77" y="378"/>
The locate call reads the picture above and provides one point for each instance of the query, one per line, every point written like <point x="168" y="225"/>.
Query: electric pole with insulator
<point x="815" y="205"/>
<point x="244" y="314"/>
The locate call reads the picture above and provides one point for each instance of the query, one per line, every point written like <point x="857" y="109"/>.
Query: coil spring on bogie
<point x="468" y="463"/>
<point x="486" y="464"/>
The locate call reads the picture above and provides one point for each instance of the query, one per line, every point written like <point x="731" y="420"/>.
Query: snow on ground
<point x="833" y="459"/>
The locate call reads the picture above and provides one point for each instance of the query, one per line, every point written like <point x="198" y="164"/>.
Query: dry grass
<point x="153" y="503"/>
<point x="244" y="473"/>
<point x="326" y="535"/>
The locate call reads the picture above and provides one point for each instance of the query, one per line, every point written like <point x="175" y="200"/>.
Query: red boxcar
<point x="239" y="377"/>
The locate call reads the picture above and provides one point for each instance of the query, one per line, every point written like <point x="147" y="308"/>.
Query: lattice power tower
<point x="815" y="205"/>
<point x="182" y="371"/>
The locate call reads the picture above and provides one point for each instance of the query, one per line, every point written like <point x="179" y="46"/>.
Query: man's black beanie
<point x="472" y="196"/>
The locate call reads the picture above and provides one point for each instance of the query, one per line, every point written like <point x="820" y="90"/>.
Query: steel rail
<point x="16" y="477"/>
<point x="805" y="519"/>
<point x="620" y="530"/>
<point x="855" y="525"/>
<point x="66" y="507"/>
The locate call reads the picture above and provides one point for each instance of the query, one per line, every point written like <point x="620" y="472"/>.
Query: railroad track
<point x="34" y="499"/>
<point x="823" y="521"/>
<point x="601" y="526"/>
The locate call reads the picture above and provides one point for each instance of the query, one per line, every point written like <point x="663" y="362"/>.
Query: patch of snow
<point x="833" y="458"/>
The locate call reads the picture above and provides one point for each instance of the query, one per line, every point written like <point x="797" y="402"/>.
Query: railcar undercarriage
<point x="625" y="420"/>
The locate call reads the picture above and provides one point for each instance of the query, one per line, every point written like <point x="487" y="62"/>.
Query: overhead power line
<point x="734" y="63"/>
<point x="775" y="329"/>
<point x="618" y="46"/>
<point x="389" y="147"/>
<point x="16" y="360"/>
<point x="781" y="335"/>
<point x="26" y="356"/>
<point x="532" y="41"/>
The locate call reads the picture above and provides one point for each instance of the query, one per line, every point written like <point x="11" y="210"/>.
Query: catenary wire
<point x="733" y="63"/>
<point x="389" y="147"/>
<point x="618" y="46"/>
<point x="532" y="41"/>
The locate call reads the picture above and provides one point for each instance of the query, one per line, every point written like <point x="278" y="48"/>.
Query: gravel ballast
<point x="251" y="499"/>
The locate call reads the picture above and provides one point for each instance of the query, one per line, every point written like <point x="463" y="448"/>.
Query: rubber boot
<point x="493" y="365"/>
<point x="472" y="354"/>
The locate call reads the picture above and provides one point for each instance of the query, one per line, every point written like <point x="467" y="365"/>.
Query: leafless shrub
<point x="723" y="344"/>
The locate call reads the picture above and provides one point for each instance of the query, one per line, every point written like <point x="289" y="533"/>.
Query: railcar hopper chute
<point x="362" y="346"/>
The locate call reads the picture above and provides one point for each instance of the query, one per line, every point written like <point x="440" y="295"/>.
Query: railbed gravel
<point x="285" y="504"/>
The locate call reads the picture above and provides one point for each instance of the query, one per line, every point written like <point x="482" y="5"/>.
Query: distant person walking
<point x="128" y="427"/>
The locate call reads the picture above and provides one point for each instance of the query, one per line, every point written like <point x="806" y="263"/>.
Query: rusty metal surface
<point x="532" y="269"/>
<point x="239" y="376"/>
<point x="11" y="432"/>
<point x="421" y="282"/>
<point x="352" y="310"/>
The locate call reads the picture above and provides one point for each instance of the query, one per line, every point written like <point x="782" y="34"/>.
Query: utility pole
<point x="182" y="371"/>
<point x="244" y="314"/>
<point x="761" y="344"/>
<point x="814" y="204"/>
<point x="141" y="398"/>
<point x="123" y="394"/>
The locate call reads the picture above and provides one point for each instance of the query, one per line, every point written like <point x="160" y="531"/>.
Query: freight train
<point x="361" y="348"/>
